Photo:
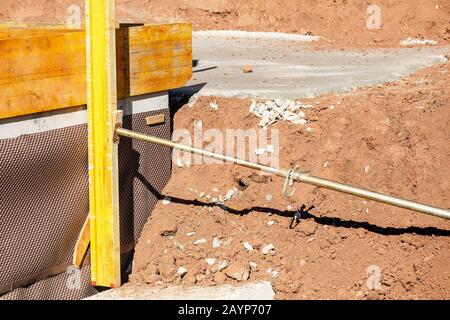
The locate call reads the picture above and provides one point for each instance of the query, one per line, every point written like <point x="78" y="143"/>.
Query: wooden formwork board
<point x="45" y="69"/>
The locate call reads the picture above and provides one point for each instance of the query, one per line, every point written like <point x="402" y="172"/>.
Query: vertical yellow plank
<point x="103" y="175"/>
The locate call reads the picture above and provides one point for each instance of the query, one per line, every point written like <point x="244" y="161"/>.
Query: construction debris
<point x="230" y="194"/>
<point x="214" y="106"/>
<point x="278" y="109"/>
<point x="181" y="271"/>
<point x="414" y="42"/>
<point x="238" y="271"/>
<point x="266" y="249"/>
<point x="248" y="68"/>
<point x="248" y="246"/>
<point x="216" y="243"/>
<point x="200" y="241"/>
<point x="222" y="265"/>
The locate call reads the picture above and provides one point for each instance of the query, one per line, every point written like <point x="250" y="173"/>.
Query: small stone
<point x="216" y="243"/>
<point x="269" y="197"/>
<point x="181" y="271"/>
<point x="289" y="207"/>
<point x="179" y="163"/>
<point x="200" y="241"/>
<point x="308" y="227"/>
<point x="200" y="277"/>
<point x="269" y="148"/>
<point x="271" y="222"/>
<point x="202" y="194"/>
<point x="179" y="245"/>
<point x="213" y="106"/>
<point x="222" y="265"/>
<point x="215" y="189"/>
<point x="210" y="261"/>
<point x="167" y="227"/>
<point x="366" y="169"/>
<point x="274" y="273"/>
<point x="253" y="265"/>
<point x="247" y="68"/>
<point x="238" y="271"/>
<point x="190" y="234"/>
<point x="248" y="246"/>
<point x="230" y="194"/>
<point x="266" y="249"/>
<point x="166" y="200"/>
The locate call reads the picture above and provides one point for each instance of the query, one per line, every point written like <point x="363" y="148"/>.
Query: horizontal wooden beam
<point x="45" y="69"/>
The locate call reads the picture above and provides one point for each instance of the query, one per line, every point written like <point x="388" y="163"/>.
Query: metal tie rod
<point x="293" y="175"/>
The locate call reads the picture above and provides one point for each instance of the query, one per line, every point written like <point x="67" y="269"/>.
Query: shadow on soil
<point x="302" y="214"/>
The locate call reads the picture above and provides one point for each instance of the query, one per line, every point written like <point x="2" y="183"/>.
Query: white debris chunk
<point x="166" y="200"/>
<point x="190" y="234"/>
<point x="230" y="194"/>
<point x="366" y="169"/>
<point x="414" y="42"/>
<point x="253" y="265"/>
<point x="269" y="148"/>
<point x="210" y="261"/>
<point x="202" y="194"/>
<point x="248" y="246"/>
<point x="274" y="273"/>
<point x="289" y="207"/>
<point x="216" y="243"/>
<point x="200" y="241"/>
<point x="222" y="265"/>
<point x="271" y="222"/>
<point x="179" y="163"/>
<point x="266" y="249"/>
<point x="181" y="271"/>
<point x="178" y="245"/>
<point x="279" y="109"/>
<point x="213" y="106"/>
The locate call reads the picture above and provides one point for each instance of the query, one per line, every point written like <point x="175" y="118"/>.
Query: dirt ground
<point x="342" y="23"/>
<point x="392" y="138"/>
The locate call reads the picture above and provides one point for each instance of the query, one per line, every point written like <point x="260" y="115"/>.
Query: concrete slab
<point x="251" y="291"/>
<point x="291" y="69"/>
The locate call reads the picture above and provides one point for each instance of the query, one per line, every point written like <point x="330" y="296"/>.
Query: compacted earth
<point x="392" y="138"/>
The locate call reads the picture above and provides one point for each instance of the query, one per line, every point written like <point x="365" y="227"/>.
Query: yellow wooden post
<point x="103" y="175"/>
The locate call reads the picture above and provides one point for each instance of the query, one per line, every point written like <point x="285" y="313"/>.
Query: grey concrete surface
<point x="292" y="69"/>
<point x="251" y="291"/>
